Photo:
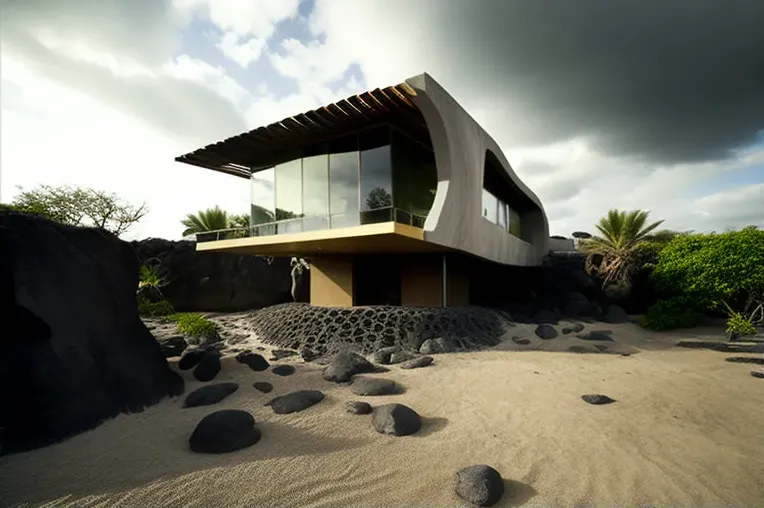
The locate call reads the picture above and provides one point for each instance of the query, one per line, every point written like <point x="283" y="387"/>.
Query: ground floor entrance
<point x="411" y="280"/>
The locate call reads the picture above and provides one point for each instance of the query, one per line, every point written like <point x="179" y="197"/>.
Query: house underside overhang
<point x="276" y="143"/>
<point x="386" y="237"/>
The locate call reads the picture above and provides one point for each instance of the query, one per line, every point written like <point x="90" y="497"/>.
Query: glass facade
<point x="376" y="184"/>
<point x="498" y="212"/>
<point x="377" y="175"/>
<point x="415" y="178"/>
<point x="343" y="183"/>
<point x="315" y="190"/>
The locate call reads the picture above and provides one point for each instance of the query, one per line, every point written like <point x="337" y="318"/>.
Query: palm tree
<point x="612" y="253"/>
<point x="211" y="219"/>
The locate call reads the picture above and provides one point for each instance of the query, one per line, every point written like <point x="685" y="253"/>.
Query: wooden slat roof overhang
<point x="267" y="146"/>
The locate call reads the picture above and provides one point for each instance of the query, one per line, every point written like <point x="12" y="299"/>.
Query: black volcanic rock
<point x="345" y="365"/>
<point x="545" y="332"/>
<point x="283" y="370"/>
<point x="224" y="432"/>
<point x="217" y="281"/>
<point x="208" y="367"/>
<point x="73" y="350"/>
<point x="418" y="362"/>
<point x="210" y="394"/>
<point x="396" y="420"/>
<point x="372" y="386"/>
<point x="358" y="408"/>
<point x="597" y="399"/>
<point x="295" y="401"/>
<point x="480" y="485"/>
<point x="263" y="386"/>
<point x="255" y="361"/>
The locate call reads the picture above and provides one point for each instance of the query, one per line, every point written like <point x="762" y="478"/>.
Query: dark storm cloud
<point x="665" y="81"/>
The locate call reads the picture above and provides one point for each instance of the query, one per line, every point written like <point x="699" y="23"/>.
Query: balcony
<point x="306" y="224"/>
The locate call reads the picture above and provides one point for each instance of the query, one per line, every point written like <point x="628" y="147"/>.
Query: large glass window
<point x="263" y="197"/>
<point x="289" y="196"/>
<point x="315" y="189"/>
<point x="376" y="175"/>
<point x="490" y="207"/>
<point x="415" y="177"/>
<point x="343" y="182"/>
<point x="514" y="223"/>
<point x="502" y="215"/>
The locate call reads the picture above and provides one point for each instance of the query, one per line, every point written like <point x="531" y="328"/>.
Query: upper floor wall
<point x="469" y="161"/>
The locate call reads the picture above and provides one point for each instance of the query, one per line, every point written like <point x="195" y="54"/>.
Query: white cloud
<point x="243" y="53"/>
<point x="54" y="135"/>
<point x="257" y="18"/>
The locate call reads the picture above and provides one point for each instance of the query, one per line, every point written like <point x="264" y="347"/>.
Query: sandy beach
<point x="687" y="430"/>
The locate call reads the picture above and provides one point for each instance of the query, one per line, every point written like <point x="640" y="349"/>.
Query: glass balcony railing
<point x="303" y="224"/>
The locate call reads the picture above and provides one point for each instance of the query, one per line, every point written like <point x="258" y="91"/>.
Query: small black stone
<point x="416" y="363"/>
<point x="596" y="335"/>
<point x="372" y="386"/>
<point x="576" y="328"/>
<point x="597" y="399"/>
<point x="757" y="373"/>
<point x="295" y="401"/>
<point x="210" y="394"/>
<point x="358" y="408"/>
<point x="255" y="361"/>
<point x="263" y="386"/>
<point x="746" y="359"/>
<point x="521" y="341"/>
<point x="345" y="365"/>
<point x="283" y="370"/>
<point x="545" y="331"/>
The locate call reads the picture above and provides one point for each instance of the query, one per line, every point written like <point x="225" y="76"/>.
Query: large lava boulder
<point x="346" y="365"/>
<point x="214" y="281"/>
<point x="396" y="420"/>
<point x="224" y="431"/>
<point x="74" y="351"/>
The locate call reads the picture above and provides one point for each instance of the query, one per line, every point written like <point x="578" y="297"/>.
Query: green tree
<point x="613" y="254"/>
<point x="211" y="219"/>
<point x="81" y="206"/>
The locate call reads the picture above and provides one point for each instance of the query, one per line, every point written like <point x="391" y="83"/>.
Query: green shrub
<point x="712" y="268"/>
<point x="740" y="324"/>
<point x="148" y="276"/>
<point x="195" y="325"/>
<point x="671" y="313"/>
<point x="147" y="308"/>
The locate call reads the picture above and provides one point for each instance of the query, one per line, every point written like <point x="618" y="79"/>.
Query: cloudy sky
<point x="597" y="104"/>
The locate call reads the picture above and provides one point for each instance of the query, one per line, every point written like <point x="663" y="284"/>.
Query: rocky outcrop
<point x="214" y="281"/>
<point x="73" y="350"/>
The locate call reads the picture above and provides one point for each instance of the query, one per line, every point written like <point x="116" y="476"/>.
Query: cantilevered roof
<point x="269" y="145"/>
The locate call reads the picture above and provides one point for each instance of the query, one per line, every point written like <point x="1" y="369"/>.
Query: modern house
<point x="394" y="196"/>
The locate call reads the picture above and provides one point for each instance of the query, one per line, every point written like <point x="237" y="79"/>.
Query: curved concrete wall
<point x="456" y="220"/>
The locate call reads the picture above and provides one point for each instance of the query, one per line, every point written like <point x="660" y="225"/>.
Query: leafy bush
<point x="712" y="268"/>
<point x="740" y="324"/>
<point x="147" y="308"/>
<point x="675" y="312"/>
<point x="148" y="276"/>
<point x="195" y="325"/>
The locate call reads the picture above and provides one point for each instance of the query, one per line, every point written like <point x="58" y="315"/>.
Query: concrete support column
<point x="331" y="281"/>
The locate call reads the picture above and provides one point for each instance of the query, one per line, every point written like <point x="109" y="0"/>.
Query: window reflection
<point x="315" y="190"/>
<point x="263" y="197"/>
<point x="415" y="176"/>
<point x="343" y="182"/>
<point x="289" y="196"/>
<point x="490" y="206"/>
<point x="376" y="175"/>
